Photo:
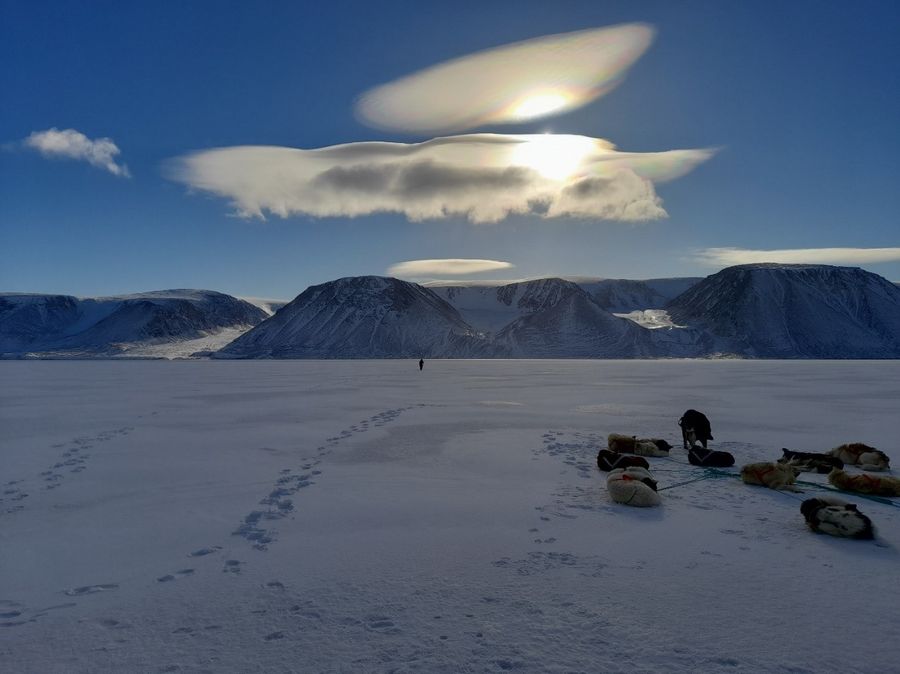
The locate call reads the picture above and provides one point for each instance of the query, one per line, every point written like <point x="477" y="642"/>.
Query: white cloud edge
<point x="727" y="257"/>
<point x="481" y="177"/>
<point x="445" y="266"/>
<point x="54" y="143"/>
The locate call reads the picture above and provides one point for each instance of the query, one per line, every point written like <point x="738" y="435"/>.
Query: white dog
<point x="835" y="517"/>
<point x="632" y="486"/>
<point x="867" y="458"/>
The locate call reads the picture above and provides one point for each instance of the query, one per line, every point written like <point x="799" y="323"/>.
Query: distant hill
<point x="795" y="311"/>
<point x="151" y="324"/>
<point x="361" y="317"/>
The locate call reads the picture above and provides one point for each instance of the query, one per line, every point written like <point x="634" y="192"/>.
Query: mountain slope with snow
<point x="625" y="296"/>
<point x="560" y="320"/>
<point x="794" y="311"/>
<point x="143" y="324"/>
<point x="361" y="317"/>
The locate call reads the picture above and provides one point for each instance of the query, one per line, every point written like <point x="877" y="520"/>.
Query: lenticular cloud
<point x="514" y="83"/>
<point x="482" y="177"/>
<point x="448" y="266"/>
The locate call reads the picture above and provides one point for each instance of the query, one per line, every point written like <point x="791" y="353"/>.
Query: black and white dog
<point x="836" y="518"/>
<point x="608" y="460"/>
<point x="707" y="457"/>
<point x="695" y="428"/>
<point x="810" y="461"/>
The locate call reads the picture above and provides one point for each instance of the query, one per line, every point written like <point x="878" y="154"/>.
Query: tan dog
<point x="858" y="454"/>
<point x="632" y="486"/>
<point x="865" y="484"/>
<point x="629" y="444"/>
<point x="771" y="475"/>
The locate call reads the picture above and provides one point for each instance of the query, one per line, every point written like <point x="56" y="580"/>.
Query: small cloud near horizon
<point x="451" y="267"/>
<point x="482" y="177"/>
<point x="516" y="82"/>
<point x="727" y="257"/>
<point x="71" y="144"/>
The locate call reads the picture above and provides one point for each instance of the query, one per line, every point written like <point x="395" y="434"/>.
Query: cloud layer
<point x="483" y="177"/>
<point x="451" y="267"/>
<point x="731" y="256"/>
<point x="72" y="144"/>
<point x="514" y="83"/>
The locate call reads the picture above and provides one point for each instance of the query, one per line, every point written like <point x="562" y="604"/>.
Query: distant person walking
<point x="421" y="364"/>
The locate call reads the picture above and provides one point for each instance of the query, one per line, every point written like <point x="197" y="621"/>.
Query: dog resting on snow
<point x="858" y="454"/>
<point x="632" y="486"/>
<point x="707" y="457"/>
<point x="836" y="518"/>
<point x="694" y="428"/>
<point x="771" y="475"/>
<point x="607" y="460"/>
<point x="810" y="462"/>
<point x="629" y="444"/>
<point x="865" y="484"/>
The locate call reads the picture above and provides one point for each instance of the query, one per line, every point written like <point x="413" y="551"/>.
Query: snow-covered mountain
<point x="157" y="324"/>
<point x="755" y="311"/>
<point x="375" y="317"/>
<point x="625" y="296"/>
<point x="362" y="317"/>
<point x="794" y="311"/>
<point x="558" y="319"/>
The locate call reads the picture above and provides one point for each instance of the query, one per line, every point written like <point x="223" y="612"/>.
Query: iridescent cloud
<point x="452" y="267"/>
<point x="482" y="177"/>
<point x="513" y="83"/>
<point x="731" y="256"/>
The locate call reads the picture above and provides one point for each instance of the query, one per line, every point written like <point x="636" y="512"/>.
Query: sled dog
<point x="809" y="461"/>
<point x="867" y="458"/>
<point x="607" y="460"/>
<point x="707" y="457"/>
<point x="771" y="475"/>
<point x="694" y="428"/>
<point x="881" y="485"/>
<point x="836" y="518"/>
<point x="632" y="486"/>
<point x="629" y="444"/>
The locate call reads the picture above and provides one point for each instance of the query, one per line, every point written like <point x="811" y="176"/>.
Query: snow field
<point x="364" y="516"/>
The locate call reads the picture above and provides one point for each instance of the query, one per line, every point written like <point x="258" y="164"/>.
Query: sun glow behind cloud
<point x="483" y="177"/>
<point x="513" y="83"/>
<point x="554" y="157"/>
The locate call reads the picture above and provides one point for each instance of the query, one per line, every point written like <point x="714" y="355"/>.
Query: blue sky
<point x="802" y="99"/>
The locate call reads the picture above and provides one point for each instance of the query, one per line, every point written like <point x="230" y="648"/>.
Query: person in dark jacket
<point x="421" y="364"/>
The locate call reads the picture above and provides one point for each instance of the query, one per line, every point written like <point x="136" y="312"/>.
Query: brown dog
<point x="865" y="484"/>
<point x="771" y="475"/>
<point x="629" y="444"/>
<point x="858" y="454"/>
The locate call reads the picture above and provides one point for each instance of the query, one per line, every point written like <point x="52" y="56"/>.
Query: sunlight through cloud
<point x="513" y="83"/>
<point x="482" y="177"/>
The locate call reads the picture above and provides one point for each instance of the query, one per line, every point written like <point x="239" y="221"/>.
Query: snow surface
<point x="652" y="319"/>
<point x="357" y="516"/>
